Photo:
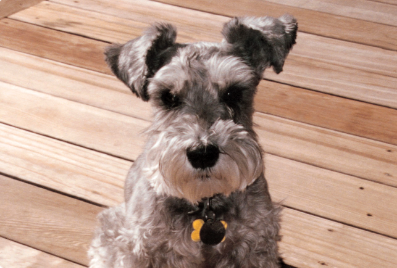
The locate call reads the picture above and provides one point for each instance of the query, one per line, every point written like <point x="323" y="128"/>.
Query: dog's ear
<point x="139" y="59"/>
<point x="261" y="42"/>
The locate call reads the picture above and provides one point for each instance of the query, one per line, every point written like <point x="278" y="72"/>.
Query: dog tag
<point x="210" y="232"/>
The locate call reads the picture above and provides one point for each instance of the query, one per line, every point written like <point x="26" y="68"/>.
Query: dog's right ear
<point x="139" y="59"/>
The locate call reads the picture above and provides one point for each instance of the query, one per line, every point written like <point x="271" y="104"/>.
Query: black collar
<point x="204" y="209"/>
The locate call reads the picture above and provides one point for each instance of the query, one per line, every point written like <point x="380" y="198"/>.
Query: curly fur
<point x="202" y="95"/>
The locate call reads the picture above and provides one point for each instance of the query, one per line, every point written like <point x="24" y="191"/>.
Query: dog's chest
<point x="204" y="223"/>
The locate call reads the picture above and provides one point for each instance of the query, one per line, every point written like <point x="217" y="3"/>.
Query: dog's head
<point x="201" y="142"/>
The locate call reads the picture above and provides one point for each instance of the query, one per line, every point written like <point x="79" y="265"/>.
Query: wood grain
<point x="318" y="63"/>
<point x="112" y="28"/>
<point x="21" y="256"/>
<point x="80" y="124"/>
<point x="99" y="178"/>
<point x="338" y="80"/>
<point x="71" y="129"/>
<point x="63" y="226"/>
<point x="347" y="54"/>
<point x="364" y="10"/>
<point x="191" y="24"/>
<point x="332" y="195"/>
<point x="322" y="24"/>
<point x="364" y="158"/>
<point x="47" y="43"/>
<point x="331" y="112"/>
<point x="297" y="104"/>
<point x="310" y="241"/>
<point x="282" y="100"/>
<point x="61" y="166"/>
<point x="46" y="220"/>
<point x="69" y="19"/>
<point x="117" y="134"/>
<point x="71" y="83"/>
<point x="392" y="2"/>
<point x="8" y="7"/>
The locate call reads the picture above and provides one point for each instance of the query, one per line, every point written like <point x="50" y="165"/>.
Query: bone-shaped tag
<point x="210" y="232"/>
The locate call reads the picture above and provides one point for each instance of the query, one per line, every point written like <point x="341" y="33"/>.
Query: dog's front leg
<point x="249" y="255"/>
<point x="110" y="246"/>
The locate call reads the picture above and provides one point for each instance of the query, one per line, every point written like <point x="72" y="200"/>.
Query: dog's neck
<point x="204" y="209"/>
<point x="211" y="207"/>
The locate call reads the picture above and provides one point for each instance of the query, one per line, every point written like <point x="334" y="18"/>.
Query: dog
<point x="197" y="195"/>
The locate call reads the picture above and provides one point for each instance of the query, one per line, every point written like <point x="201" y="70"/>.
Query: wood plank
<point x="8" y="7"/>
<point x="48" y="215"/>
<point x="391" y="2"/>
<point x="310" y="21"/>
<point x="118" y="134"/>
<point x="99" y="178"/>
<point x="332" y="195"/>
<point x="368" y="159"/>
<point x="338" y="80"/>
<point x="61" y="166"/>
<point x="13" y="254"/>
<point x="312" y="253"/>
<point x="96" y="25"/>
<point x="191" y="24"/>
<point x="354" y="117"/>
<point x="56" y="45"/>
<point x="71" y="83"/>
<point x="45" y="220"/>
<point x="80" y="124"/>
<point x="359" y="9"/>
<point x="310" y="241"/>
<point x="315" y="108"/>
<point x="348" y="70"/>
<point x="115" y="29"/>
<point x="341" y="53"/>
<point x="297" y="104"/>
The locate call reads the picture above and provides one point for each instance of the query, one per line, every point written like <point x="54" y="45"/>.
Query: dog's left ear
<point x="261" y="42"/>
<point x="137" y="60"/>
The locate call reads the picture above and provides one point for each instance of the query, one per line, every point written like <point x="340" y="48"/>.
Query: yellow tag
<point x="224" y="224"/>
<point x="197" y="224"/>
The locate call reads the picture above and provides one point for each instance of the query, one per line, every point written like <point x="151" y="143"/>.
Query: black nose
<point x="203" y="157"/>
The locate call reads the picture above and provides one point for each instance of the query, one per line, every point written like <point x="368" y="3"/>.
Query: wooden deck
<point x="69" y="130"/>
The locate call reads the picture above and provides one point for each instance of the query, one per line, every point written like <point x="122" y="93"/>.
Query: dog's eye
<point x="233" y="96"/>
<point x="170" y="100"/>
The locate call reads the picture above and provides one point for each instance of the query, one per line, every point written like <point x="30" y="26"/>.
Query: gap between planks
<point x="374" y="11"/>
<point x="72" y="221"/>
<point x="342" y="70"/>
<point x="99" y="178"/>
<point x="8" y="7"/>
<point x="286" y="101"/>
<point x="311" y="21"/>
<point x="96" y="128"/>
<point x="16" y="255"/>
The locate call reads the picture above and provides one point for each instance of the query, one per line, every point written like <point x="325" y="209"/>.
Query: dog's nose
<point x="203" y="157"/>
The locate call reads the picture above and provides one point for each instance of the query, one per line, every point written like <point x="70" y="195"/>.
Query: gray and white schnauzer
<point x="197" y="195"/>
